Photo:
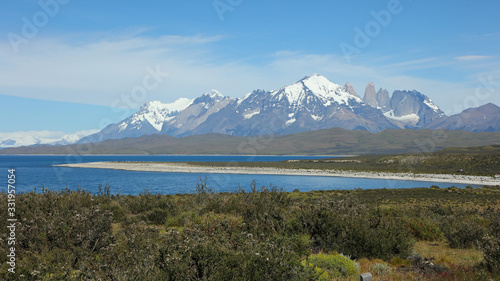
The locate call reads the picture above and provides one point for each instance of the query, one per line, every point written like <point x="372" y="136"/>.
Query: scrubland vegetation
<point x="475" y="161"/>
<point x="258" y="234"/>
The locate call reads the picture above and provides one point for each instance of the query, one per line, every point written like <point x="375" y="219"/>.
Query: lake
<point x="37" y="171"/>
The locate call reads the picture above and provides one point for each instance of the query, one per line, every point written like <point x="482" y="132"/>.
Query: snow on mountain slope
<point x="317" y="85"/>
<point x="26" y="138"/>
<point x="311" y="103"/>
<point x="432" y="106"/>
<point x="148" y="120"/>
<point x="201" y="109"/>
<point x="410" y="119"/>
<point x="406" y="106"/>
<point x="155" y="114"/>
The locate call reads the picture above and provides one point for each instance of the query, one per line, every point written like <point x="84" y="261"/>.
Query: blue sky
<point x="76" y="60"/>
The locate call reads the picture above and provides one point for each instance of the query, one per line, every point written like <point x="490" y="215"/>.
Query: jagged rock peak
<point x="383" y="100"/>
<point x="350" y="89"/>
<point x="370" y="95"/>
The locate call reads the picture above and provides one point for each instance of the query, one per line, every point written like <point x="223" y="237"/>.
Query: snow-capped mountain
<point x="27" y="138"/>
<point x="196" y="114"/>
<point x="406" y="109"/>
<point x="311" y="103"/>
<point x="413" y="109"/>
<point x="148" y="120"/>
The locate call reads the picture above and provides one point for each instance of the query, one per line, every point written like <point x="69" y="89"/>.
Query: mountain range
<point x="312" y="103"/>
<point x="334" y="141"/>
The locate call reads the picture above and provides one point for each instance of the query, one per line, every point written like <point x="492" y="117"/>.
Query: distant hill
<point x="485" y="118"/>
<point x="335" y="141"/>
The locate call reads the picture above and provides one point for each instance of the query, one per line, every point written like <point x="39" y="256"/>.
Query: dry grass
<point x="444" y="255"/>
<point x="439" y="252"/>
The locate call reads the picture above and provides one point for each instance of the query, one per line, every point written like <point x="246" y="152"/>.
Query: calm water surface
<point x="37" y="171"/>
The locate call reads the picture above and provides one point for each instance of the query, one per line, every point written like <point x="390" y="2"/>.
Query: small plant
<point x="398" y="261"/>
<point x="330" y="266"/>
<point x="382" y="269"/>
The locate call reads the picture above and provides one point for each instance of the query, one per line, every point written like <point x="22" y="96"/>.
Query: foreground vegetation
<point x="259" y="234"/>
<point x="476" y="161"/>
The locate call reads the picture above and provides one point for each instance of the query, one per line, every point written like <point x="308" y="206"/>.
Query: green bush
<point x="350" y="227"/>
<point x="462" y="231"/>
<point x="131" y="257"/>
<point x="157" y="216"/>
<point x="491" y="242"/>
<point x="117" y="211"/>
<point x="195" y="255"/>
<point x="424" y="229"/>
<point x="331" y="266"/>
<point x="146" y="201"/>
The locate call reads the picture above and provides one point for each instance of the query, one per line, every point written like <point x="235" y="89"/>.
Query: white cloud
<point x="471" y="58"/>
<point x="102" y="71"/>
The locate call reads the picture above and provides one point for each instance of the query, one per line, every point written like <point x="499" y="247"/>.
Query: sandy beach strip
<point x="169" y="167"/>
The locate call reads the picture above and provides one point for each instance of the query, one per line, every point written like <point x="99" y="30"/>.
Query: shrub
<point x="331" y="266"/>
<point x="491" y="242"/>
<point x="181" y="219"/>
<point x="382" y="269"/>
<point x="132" y="257"/>
<point x="157" y="216"/>
<point x="216" y="223"/>
<point x="424" y="229"/>
<point x="349" y="227"/>
<point x="462" y="231"/>
<point x="146" y="201"/>
<point x="491" y="252"/>
<point x="117" y="210"/>
<point x="195" y="255"/>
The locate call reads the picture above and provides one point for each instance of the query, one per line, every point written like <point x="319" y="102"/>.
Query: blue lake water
<point x="37" y="171"/>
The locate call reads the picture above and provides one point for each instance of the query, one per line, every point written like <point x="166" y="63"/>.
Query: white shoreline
<point x="168" y="167"/>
